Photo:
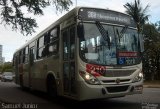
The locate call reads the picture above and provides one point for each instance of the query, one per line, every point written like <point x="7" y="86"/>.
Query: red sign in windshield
<point x="128" y="54"/>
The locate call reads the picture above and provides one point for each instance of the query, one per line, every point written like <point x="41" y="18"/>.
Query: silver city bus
<point x="89" y="53"/>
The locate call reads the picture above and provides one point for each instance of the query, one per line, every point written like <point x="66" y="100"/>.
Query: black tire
<point x="51" y="87"/>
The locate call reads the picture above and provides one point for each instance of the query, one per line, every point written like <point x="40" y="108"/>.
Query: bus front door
<point x="69" y="83"/>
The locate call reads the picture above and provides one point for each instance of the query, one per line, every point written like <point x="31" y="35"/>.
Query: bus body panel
<point x="69" y="73"/>
<point x="88" y="92"/>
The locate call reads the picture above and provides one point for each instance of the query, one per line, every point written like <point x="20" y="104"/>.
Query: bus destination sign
<point x="102" y="15"/>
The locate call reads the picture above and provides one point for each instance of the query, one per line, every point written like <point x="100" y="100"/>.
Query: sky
<point x="12" y="40"/>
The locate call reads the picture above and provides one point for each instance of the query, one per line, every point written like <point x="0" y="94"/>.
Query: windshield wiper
<point x="120" y="35"/>
<point x="104" y="33"/>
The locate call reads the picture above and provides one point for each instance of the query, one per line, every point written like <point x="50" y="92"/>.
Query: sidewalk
<point x="151" y="86"/>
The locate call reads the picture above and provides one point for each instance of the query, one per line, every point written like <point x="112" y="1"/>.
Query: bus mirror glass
<point x="80" y="30"/>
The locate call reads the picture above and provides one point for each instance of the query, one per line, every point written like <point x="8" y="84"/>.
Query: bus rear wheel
<point x="51" y="87"/>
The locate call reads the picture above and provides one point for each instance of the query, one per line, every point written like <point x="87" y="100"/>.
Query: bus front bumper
<point x="87" y="91"/>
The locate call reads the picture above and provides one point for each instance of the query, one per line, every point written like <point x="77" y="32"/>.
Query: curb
<point x="151" y="86"/>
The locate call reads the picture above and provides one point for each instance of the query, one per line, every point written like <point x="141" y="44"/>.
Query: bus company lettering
<point x="95" y="70"/>
<point x="127" y="54"/>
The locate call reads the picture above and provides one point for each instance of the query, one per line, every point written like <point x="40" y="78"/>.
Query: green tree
<point x="138" y="13"/>
<point x="6" y="67"/>
<point x="1" y="69"/>
<point x="151" y="56"/>
<point x="12" y="12"/>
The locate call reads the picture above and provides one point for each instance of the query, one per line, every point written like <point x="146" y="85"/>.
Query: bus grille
<point x="117" y="89"/>
<point x="118" y="73"/>
<point x="114" y="81"/>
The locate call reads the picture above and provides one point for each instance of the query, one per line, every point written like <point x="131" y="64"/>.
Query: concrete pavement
<point x="9" y="91"/>
<point x="13" y="94"/>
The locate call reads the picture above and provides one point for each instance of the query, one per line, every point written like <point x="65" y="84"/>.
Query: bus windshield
<point x="123" y="49"/>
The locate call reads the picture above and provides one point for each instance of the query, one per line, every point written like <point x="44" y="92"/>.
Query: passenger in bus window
<point x="45" y="51"/>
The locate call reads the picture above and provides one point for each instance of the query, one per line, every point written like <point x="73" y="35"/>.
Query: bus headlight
<point x="90" y="79"/>
<point x="138" y="78"/>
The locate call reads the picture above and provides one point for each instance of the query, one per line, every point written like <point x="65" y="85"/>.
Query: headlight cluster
<point x="90" y="79"/>
<point x="138" y="78"/>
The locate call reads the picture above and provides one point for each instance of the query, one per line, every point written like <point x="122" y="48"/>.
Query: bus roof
<point x="62" y="19"/>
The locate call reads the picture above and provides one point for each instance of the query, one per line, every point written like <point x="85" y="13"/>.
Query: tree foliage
<point x="6" y="67"/>
<point x="151" y="56"/>
<point x="138" y="13"/>
<point x="12" y="12"/>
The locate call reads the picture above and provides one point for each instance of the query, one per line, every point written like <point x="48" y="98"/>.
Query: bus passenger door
<point x="69" y="83"/>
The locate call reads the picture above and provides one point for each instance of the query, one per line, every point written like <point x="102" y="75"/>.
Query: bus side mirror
<point x="80" y="30"/>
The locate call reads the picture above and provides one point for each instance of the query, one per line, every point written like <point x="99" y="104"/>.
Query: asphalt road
<point x="12" y="96"/>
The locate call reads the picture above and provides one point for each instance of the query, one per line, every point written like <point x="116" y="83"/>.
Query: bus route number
<point x="130" y="61"/>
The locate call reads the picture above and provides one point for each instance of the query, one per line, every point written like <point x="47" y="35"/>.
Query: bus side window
<point x="40" y="47"/>
<point x="45" y="51"/>
<point x="65" y="45"/>
<point x="50" y="46"/>
<point x="23" y="55"/>
<point x="26" y="55"/>
<point x="31" y="55"/>
<point x="53" y="44"/>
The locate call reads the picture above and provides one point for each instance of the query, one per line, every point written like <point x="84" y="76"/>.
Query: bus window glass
<point x="128" y="41"/>
<point x="23" y="55"/>
<point x="32" y="50"/>
<point x="72" y="42"/>
<point x="40" y="46"/>
<point x="45" y="49"/>
<point x="53" y="34"/>
<point x="123" y="50"/>
<point x="41" y="42"/>
<point x="53" y="45"/>
<point x="26" y="55"/>
<point x="73" y="77"/>
<point x="95" y="48"/>
<point x="65" y="46"/>
<point x="53" y="48"/>
<point x="66" y="76"/>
